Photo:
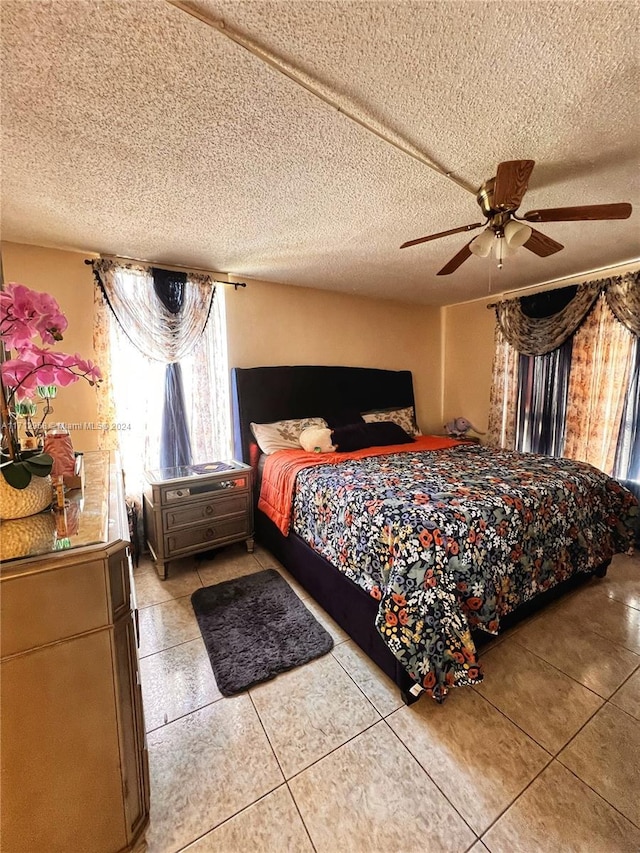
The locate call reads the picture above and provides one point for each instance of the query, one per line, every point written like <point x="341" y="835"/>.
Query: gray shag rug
<point x="255" y="627"/>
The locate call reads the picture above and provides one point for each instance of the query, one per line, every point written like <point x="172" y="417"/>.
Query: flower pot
<point x="20" y="503"/>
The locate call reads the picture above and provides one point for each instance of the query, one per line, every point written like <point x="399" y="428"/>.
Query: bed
<point x="455" y="544"/>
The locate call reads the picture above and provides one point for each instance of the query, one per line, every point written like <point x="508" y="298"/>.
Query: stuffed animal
<point x="459" y="427"/>
<point x="316" y="440"/>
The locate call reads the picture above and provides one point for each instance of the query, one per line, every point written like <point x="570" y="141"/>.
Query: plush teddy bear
<point x="316" y="440"/>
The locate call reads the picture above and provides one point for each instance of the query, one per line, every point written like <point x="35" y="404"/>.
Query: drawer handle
<point x="208" y="510"/>
<point x="209" y="533"/>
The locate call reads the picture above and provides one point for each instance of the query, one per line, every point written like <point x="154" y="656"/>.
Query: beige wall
<point x="70" y="281"/>
<point x="468" y="344"/>
<point x="268" y="324"/>
<point x="275" y="324"/>
<point x="449" y="350"/>
<point x="467" y="359"/>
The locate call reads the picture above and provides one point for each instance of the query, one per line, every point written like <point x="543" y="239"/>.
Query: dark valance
<point x="531" y="333"/>
<point x="169" y="288"/>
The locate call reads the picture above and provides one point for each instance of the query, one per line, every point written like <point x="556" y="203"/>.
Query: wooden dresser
<point x="74" y="759"/>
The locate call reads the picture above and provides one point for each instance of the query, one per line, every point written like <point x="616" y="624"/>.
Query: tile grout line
<point x="628" y="678"/>
<point x="227" y="819"/>
<point x="335" y="749"/>
<point x="433" y="781"/>
<point x="600" y="636"/>
<point x="266" y="734"/>
<point x="598" y="794"/>
<point x="287" y="780"/>
<point x="553" y="757"/>
<point x="160" y="651"/>
<point x="513" y="722"/>
<point x="182" y="716"/>
<point x="174" y="646"/>
<point x="370" y="701"/>
<point x="295" y="803"/>
<point x="561" y="671"/>
<point x="253" y="802"/>
<point x="584" y="782"/>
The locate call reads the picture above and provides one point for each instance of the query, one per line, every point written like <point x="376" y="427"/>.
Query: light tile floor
<point x="542" y="757"/>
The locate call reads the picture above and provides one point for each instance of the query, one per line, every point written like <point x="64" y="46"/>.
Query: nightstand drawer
<point x="217" y="531"/>
<point x="192" y="489"/>
<point x="196" y="513"/>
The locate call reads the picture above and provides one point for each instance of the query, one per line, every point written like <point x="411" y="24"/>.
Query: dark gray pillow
<point x="343" y="418"/>
<point x="359" y="436"/>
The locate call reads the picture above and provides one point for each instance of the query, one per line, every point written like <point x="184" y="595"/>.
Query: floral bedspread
<point x="452" y="539"/>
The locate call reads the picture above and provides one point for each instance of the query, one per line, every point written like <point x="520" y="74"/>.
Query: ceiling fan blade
<point x="456" y="260"/>
<point x="542" y="245"/>
<point x="583" y="212"/>
<point x="441" y="234"/>
<point x="512" y="179"/>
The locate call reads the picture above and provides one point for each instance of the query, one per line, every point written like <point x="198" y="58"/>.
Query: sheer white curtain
<point x="130" y="400"/>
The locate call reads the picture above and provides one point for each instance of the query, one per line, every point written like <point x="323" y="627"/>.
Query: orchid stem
<point x="6" y="422"/>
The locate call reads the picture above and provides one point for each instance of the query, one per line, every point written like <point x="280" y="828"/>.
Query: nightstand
<point x="194" y="508"/>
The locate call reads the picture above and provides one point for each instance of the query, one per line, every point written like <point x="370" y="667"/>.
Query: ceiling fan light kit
<point x="503" y="242"/>
<point x="481" y="245"/>
<point x="516" y="233"/>
<point x="499" y="198"/>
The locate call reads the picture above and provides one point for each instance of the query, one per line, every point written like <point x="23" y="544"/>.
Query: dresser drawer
<point x="213" y="533"/>
<point x="197" y="513"/>
<point x="46" y="607"/>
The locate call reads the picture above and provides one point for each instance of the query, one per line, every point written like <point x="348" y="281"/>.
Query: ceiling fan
<point x="499" y="198"/>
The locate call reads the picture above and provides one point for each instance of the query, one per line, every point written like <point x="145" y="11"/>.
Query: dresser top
<point x="93" y="517"/>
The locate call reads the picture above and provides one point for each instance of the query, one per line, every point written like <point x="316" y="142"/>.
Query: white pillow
<point x="316" y="440"/>
<point x="283" y="435"/>
<point x="404" y="417"/>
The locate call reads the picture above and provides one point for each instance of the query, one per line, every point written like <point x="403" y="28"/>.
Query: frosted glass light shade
<point x="501" y="249"/>
<point x="516" y="234"/>
<point x="482" y="244"/>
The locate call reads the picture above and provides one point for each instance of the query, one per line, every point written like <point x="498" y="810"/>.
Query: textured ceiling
<point x="132" y="128"/>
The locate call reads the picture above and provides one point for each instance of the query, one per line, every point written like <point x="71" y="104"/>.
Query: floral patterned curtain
<point x="606" y="315"/>
<point x="537" y="336"/>
<point x="623" y="297"/>
<point x="600" y="370"/>
<point x="504" y="394"/>
<point x="107" y="439"/>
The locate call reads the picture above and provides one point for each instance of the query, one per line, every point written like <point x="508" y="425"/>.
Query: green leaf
<point x="17" y="474"/>
<point x="40" y="465"/>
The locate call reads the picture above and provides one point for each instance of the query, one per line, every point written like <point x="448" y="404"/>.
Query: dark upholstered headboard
<point x="267" y="394"/>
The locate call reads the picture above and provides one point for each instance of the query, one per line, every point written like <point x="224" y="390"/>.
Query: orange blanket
<point x="281" y="469"/>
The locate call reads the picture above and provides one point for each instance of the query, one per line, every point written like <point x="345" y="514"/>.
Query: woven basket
<point x="24" y="536"/>
<point x="20" y="503"/>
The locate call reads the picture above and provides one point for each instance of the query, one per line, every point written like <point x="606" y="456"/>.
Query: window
<point x="131" y="400"/>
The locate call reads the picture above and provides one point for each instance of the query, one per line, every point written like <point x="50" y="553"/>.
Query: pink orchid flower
<point x="26" y="313"/>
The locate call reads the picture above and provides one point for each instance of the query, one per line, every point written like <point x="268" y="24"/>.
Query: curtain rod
<point x="234" y="284"/>
<point x="568" y="278"/>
